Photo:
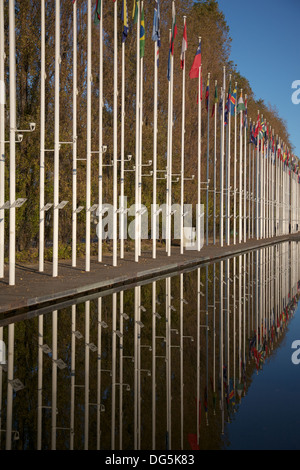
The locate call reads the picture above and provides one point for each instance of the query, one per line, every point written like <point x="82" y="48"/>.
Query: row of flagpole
<point x="271" y="299"/>
<point x="271" y="205"/>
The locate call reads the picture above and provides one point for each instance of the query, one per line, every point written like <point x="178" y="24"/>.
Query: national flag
<point x="174" y="29"/>
<point x="142" y="35"/>
<point x="135" y="11"/>
<point x="262" y="129"/>
<point x="226" y="113"/>
<point x="253" y="139"/>
<point x="183" y="47"/>
<point x="246" y="114"/>
<point x="220" y="108"/>
<point x="233" y="102"/>
<point x="207" y="95"/>
<point x="194" y="72"/>
<point x="215" y="101"/>
<point x="241" y="105"/>
<point x="257" y="127"/>
<point x="156" y="28"/>
<point x="156" y="23"/>
<point x="125" y="20"/>
<point x="228" y="104"/>
<point x="97" y="12"/>
<point x="173" y="36"/>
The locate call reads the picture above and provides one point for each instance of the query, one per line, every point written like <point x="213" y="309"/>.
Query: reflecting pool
<point x="201" y="359"/>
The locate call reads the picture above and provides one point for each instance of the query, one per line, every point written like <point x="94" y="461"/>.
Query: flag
<point x="207" y="95"/>
<point x="233" y="102"/>
<point x="142" y="34"/>
<point x="194" y="72"/>
<point x="174" y="29"/>
<point x="220" y="108"/>
<point x="156" y="23"/>
<point x="241" y="105"/>
<point x="246" y="114"/>
<point x="228" y="104"/>
<point x="226" y="113"/>
<point x="215" y="101"/>
<point x="183" y="47"/>
<point x="125" y="20"/>
<point x="257" y="127"/>
<point x="173" y="36"/>
<point x="97" y="12"/>
<point x="156" y="28"/>
<point x="135" y="11"/>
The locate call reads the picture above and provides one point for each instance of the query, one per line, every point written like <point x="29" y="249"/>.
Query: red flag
<point x="184" y="47"/>
<point x="194" y="72"/>
<point x="193" y="441"/>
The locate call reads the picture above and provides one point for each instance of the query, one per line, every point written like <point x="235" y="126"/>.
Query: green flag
<point x="97" y="12"/>
<point x="135" y="11"/>
<point x="215" y="101"/>
<point x="241" y="105"/>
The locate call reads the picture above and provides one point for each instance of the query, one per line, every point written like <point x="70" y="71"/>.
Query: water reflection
<point x="164" y="365"/>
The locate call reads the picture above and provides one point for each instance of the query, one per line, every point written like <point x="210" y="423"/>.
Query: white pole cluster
<point x="258" y="200"/>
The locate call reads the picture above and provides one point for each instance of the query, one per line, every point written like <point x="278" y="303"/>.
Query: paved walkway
<point x="35" y="290"/>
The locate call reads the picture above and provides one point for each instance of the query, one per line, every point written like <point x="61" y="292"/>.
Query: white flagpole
<point x="2" y="138"/>
<point x="42" y="142"/>
<point x="10" y="370"/>
<point x="245" y="179"/>
<point x="241" y="180"/>
<point x="222" y="164"/>
<point x="261" y="190"/>
<point x="207" y="166"/>
<point x="86" y="375"/>
<point x="141" y="143"/>
<point x="215" y="163"/>
<point x="228" y="170"/>
<point x="115" y="133"/>
<point x="88" y="139"/>
<point x="182" y="150"/>
<point x="234" y="170"/>
<point x="171" y="144"/>
<point x="249" y="188"/>
<point x="122" y="148"/>
<point x="12" y="143"/>
<point x="100" y="176"/>
<point x="169" y="168"/>
<point x="257" y="188"/>
<point x="56" y="141"/>
<point x="154" y="234"/>
<point x="253" y="190"/>
<point x="199" y="158"/>
<point x="73" y="366"/>
<point x="54" y="380"/>
<point x="137" y="129"/>
<point x="74" y="174"/>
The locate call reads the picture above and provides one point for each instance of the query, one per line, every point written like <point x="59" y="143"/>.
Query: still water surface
<point x="197" y="360"/>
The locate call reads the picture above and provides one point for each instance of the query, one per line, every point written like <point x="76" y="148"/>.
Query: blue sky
<point x="266" y="49"/>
